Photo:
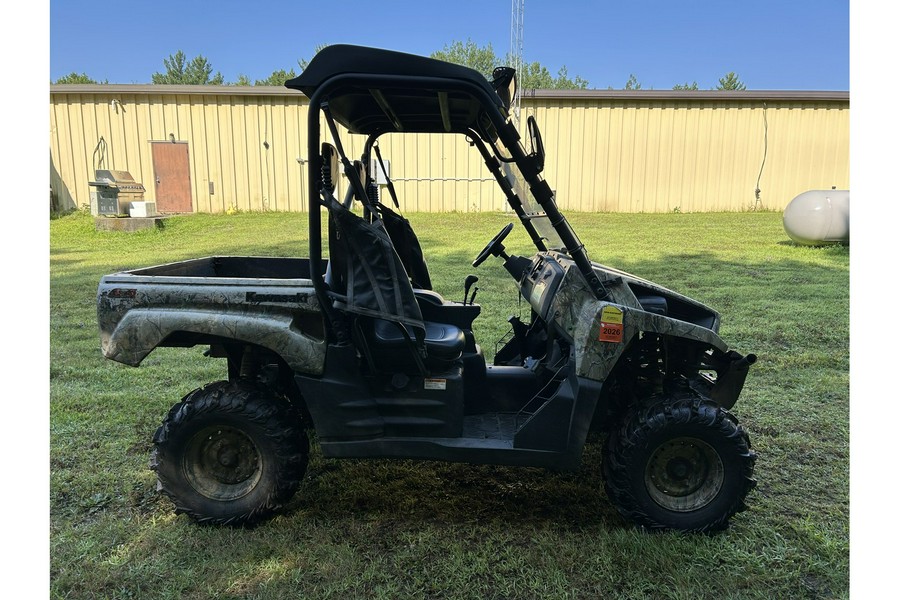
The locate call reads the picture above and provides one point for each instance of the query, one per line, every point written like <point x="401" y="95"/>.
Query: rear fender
<point x="140" y="331"/>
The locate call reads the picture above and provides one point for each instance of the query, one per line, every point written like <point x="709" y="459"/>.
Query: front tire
<point x="230" y="453"/>
<point x="681" y="463"/>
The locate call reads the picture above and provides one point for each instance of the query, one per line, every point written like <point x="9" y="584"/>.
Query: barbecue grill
<point x="113" y="192"/>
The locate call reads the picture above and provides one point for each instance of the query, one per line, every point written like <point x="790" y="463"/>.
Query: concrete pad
<point x="127" y="223"/>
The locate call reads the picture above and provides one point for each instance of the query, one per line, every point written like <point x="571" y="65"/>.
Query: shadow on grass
<point x="426" y="492"/>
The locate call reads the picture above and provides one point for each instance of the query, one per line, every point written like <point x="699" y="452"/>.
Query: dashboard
<point x="540" y="283"/>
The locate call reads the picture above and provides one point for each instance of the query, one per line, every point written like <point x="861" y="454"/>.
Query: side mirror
<point x="537" y="144"/>
<point x="330" y="166"/>
<point x="504" y="84"/>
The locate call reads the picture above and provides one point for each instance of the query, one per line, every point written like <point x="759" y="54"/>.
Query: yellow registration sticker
<point x="611" y="324"/>
<point x="611" y="314"/>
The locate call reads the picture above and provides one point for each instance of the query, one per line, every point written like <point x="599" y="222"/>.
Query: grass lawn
<point x="405" y="529"/>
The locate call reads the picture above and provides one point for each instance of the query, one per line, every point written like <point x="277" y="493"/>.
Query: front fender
<point x="598" y="353"/>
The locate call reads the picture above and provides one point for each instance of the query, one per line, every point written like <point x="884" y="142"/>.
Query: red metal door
<point x="172" y="175"/>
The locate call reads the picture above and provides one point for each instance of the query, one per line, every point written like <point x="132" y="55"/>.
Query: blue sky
<point x="770" y="44"/>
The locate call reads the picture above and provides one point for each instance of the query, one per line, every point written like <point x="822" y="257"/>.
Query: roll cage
<point x="373" y="92"/>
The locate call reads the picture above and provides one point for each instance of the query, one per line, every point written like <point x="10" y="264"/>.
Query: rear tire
<point x="230" y="453"/>
<point x="681" y="463"/>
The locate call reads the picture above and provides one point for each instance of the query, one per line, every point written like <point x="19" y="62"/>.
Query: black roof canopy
<point x="374" y="91"/>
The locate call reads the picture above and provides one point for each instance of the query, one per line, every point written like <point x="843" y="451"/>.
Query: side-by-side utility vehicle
<point x="354" y="344"/>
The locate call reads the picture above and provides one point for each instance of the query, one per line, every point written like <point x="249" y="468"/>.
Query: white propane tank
<point x="819" y="217"/>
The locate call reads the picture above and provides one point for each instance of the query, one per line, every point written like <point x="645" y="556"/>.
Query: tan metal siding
<point x="690" y="156"/>
<point x="617" y="152"/>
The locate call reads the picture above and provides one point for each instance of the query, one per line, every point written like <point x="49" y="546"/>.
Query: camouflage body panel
<point x="138" y="313"/>
<point x="610" y="273"/>
<point x="578" y="316"/>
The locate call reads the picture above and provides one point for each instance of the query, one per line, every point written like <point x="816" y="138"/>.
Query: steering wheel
<point x="494" y="247"/>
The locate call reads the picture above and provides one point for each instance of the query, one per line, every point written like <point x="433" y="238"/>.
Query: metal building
<point x="221" y="148"/>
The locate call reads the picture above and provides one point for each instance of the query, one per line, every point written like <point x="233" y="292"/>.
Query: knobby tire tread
<point x="630" y="439"/>
<point x="255" y="404"/>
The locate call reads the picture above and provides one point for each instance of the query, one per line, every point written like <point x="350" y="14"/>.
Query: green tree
<point x="691" y="87"/>
<point x="536" y="76"/>
<point x="74" y="77"/>
<point x="277" y="78"/>
<point x="242" y="81"/>
<point x="469" y="54"/>
<point x="181" y="72"/>
<point x="562" y="81"/>
<point x="632" y="83"/>
<point x="483" y="59"/>
<point x="731" y="82"/>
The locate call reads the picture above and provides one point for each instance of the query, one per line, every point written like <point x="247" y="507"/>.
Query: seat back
<point x="405" y="240"/>
<point x="408" y="248"/>
<point x="376" y="283"/>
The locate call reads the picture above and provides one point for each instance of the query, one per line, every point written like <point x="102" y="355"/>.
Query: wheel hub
<point x="678" y="469"/>
<point x="228" y="457"/>
<point x="684" y="474"/>
<point x="222" y="463"/>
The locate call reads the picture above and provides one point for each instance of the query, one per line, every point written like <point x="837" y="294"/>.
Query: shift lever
<point x="470" y="280"/>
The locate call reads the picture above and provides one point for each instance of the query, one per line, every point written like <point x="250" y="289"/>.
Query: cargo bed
<point x="253" y="267"/>
<point x="266" y="302"/>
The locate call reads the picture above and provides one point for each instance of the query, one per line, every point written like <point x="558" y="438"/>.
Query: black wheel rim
<point x="222" y="463"/>
<point x="684" y="474"/>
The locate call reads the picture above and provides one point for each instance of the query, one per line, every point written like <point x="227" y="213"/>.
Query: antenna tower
<point x="516" y="44"/>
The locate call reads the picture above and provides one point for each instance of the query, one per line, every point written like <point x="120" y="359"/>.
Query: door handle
<point x="157" y="180"/>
